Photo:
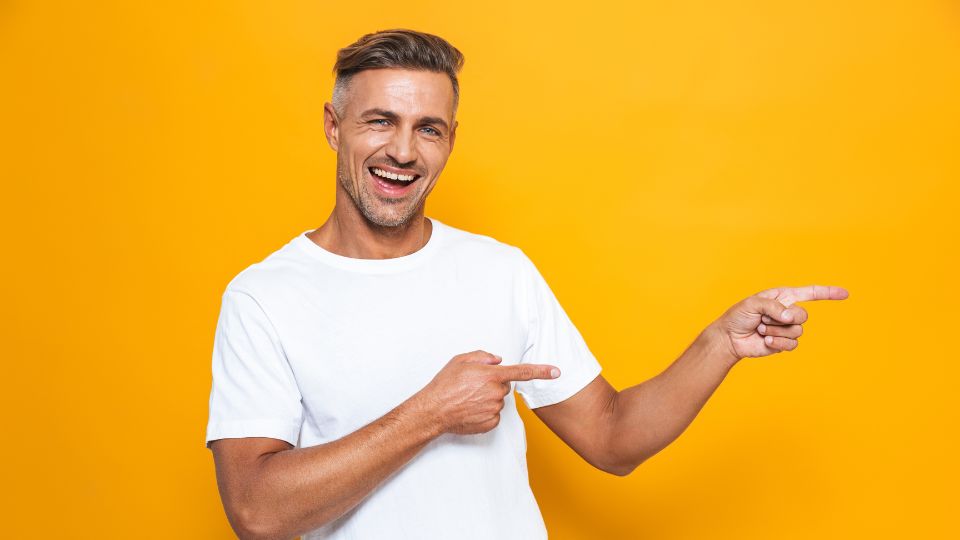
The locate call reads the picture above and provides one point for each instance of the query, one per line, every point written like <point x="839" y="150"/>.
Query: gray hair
<point x="396" y="48"/>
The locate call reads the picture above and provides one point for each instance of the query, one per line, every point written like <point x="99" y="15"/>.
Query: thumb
<point x="481" y="357"/>
<point x="775" y="310"/>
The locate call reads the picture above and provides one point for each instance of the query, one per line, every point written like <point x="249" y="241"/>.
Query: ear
<point x="453" y="134"/>
<point x="331" y="126"/>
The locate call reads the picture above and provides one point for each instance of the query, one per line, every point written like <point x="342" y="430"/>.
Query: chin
<point x="389" y="220"/>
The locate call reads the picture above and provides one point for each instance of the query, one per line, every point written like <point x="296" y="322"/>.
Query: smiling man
<point x="364" y="373"/>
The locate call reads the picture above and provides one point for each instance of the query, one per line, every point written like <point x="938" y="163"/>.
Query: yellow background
<point x="659" y="162"/>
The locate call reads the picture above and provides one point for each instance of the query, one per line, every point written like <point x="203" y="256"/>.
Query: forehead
<point x="402" y="91"/>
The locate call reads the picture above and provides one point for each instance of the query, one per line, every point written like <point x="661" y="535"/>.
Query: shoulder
<point x="283" y="266"/>
<point x="499" y="259"/>
<point x="465" y="244"/>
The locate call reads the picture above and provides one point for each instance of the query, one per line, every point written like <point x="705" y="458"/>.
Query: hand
<point x="768" y="322"/>
<point x="467" y="394"/>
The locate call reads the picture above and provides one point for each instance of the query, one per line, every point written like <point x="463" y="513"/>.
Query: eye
<point x="432" y="131"/>
<point x="375" y="120"/>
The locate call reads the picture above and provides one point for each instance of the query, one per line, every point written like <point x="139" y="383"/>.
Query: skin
<point x="363" y="223"/>
<point x="272" y="490"/>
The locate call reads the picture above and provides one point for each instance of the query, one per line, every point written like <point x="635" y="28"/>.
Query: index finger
<point x="527" y="372"/>
<point x="789" y="295"/>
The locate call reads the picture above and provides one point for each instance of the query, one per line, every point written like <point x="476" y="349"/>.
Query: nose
<point x="402" y="147"/>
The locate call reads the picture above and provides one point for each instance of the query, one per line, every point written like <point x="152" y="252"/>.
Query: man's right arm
<point x="271" y="490"/>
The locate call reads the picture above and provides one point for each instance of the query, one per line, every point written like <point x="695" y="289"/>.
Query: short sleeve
<point x="254" y="392"/>
<point x="552" y="339"/>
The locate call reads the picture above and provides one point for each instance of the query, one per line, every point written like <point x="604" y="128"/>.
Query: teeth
<point x="392" y="176"/>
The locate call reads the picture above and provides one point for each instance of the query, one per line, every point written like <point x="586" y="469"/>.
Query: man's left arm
<point x="617" y="431"/>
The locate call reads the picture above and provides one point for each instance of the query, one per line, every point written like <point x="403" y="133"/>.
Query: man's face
<point x="396" y="123"/>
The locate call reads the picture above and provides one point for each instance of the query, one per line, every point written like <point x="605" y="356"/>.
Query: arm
<point x="271" y="490"/>
<point x="649" y="416"/>
<point x="624" y="429"/>
<point x="627" y="427"/>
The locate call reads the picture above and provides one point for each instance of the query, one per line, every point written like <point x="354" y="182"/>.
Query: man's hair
<point x="396" y="48"/>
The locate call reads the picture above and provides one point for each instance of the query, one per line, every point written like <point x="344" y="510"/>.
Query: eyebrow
<point x="435" y="120"/>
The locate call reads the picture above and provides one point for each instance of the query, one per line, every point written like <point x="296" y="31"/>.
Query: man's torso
<point x="361" y="342"/>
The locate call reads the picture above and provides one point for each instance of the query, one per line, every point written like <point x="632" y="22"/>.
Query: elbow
<point x="614" y="455"/>
<point x="620" y="469"/>
<point x="619" y="463"/>
<point x="263" y="524"/>
<point x="250" y="524"/>
<point x="617" y="467"/>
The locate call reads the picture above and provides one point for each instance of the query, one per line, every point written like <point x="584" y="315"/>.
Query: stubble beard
<point x="369" y="204"/>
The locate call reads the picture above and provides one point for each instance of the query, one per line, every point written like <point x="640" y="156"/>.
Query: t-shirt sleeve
<point x="254" y="392"/>
<point x="552" y="339"/>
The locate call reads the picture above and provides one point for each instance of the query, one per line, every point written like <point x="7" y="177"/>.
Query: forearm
<point x="649" y="416"/>
<point x="298" y="490"/>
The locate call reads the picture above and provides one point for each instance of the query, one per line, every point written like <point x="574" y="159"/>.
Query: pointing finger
<point x="789" y="295"/>
<point x="527" y="372"/>
<point x="817" y="292"/>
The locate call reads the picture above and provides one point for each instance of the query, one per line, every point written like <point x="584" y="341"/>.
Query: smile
<point x="392" y="185"/>
<point x="404" y="178"/>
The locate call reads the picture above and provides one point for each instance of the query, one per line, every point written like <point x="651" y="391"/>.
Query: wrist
<point x="718" y="345"/>
<point x="425" y="414"/>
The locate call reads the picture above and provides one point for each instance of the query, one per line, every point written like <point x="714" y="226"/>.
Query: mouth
<point x="392" y="183"/>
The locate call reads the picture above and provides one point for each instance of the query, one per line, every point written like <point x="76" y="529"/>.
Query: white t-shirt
<point x="311" y="346"/>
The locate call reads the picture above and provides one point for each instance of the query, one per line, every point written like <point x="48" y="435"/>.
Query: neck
<point x="349" y="234"/>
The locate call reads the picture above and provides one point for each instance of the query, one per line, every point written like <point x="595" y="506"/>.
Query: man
<point x="363" y="374"/>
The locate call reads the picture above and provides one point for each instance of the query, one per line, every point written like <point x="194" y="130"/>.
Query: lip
<point x="394" y="170"/>
<point x="391" y="190"/>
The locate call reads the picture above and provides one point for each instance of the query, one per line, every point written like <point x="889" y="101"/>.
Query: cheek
<point x="360" y="147"/>
<point x="371" y="140"/>
<point x="435" y="158"/>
